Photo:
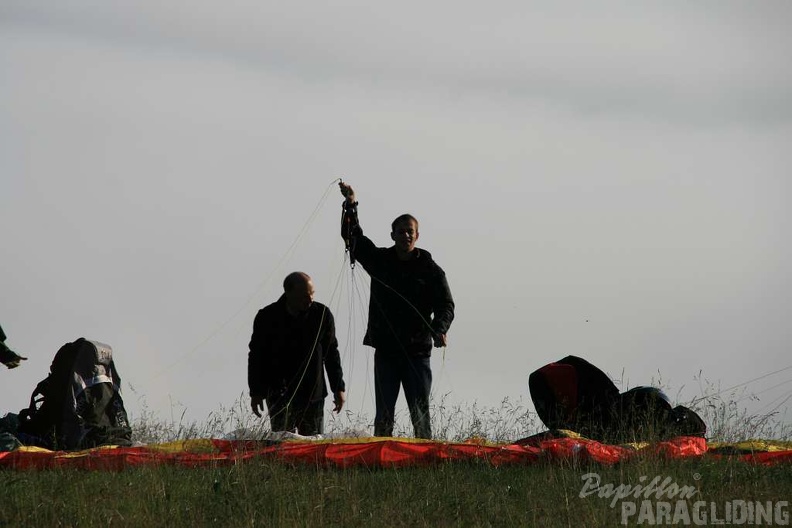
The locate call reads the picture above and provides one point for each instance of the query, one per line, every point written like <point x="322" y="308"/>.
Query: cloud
<point x="708" y="63"/>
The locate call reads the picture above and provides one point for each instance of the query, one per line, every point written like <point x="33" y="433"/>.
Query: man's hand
<point x="347" y="192"/>
<point x="14" y="361"/>
<point x="257" y="404"/>
<point x="339" y="399"/>
<point x="440" y="340"/>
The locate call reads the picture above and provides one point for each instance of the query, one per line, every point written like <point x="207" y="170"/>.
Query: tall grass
<point x="454" y="423"/>
<point x="727" y="421"/>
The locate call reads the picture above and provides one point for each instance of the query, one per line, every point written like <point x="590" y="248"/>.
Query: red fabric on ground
<point x="375" y="453"/>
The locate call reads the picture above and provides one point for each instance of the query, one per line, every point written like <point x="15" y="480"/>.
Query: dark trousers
<point x="391" y="370"/>
<point x="306" y="418"/>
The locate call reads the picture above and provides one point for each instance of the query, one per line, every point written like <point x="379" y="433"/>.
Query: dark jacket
<point x="287" y="354"/>
<point x="410" y="301"/>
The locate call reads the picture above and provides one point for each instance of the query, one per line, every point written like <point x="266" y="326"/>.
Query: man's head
<point x="404" y="233"/>
<point x="299" y="291"/>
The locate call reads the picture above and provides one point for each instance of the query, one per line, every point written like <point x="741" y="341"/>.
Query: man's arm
<point x="349" y="220"/>
<point x="332" y="360"/>
<point x="360" y="246"/>
<point x="256" y="373"/>
<point x="8" y="357"/>
<point x="442" y="309"/>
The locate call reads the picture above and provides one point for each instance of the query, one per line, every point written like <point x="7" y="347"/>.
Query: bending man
<point x="293" y="343"/>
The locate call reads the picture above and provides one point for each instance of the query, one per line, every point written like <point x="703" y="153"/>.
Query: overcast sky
<point x="609" y="180"/>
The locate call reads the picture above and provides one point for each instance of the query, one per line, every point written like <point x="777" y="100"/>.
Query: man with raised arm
<point x="410" y="309"/>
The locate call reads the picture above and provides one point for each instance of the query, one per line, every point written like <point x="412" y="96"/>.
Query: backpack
<point x="78" y="405"/>
<point x="573" y="394"/>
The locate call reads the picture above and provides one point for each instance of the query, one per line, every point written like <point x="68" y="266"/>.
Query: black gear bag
<point x="573" y="394"/>
<point x="78" y="405"/>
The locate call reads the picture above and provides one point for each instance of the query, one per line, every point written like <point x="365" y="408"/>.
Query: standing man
<point x="8" y="357"/>
<point x="293" y="343"/>
<point x="410" y="309"/>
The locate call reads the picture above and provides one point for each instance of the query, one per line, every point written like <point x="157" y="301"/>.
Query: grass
<point x="274" y="494"/>
<point x="453" y="423"/>
<point x="726" y="419"/>
<point x="271" y="493"/>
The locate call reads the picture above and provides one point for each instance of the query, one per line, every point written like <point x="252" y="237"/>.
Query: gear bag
<point x="573" y="394"/>
<point x="78" y="405"/>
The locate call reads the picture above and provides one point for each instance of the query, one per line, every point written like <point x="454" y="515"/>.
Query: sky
<point x="608" y="180"/>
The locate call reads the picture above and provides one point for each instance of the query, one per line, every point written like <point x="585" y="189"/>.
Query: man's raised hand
<point x="347" y="191"/>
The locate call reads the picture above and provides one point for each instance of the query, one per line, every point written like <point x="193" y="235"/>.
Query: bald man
<point x="292" y="346"/>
